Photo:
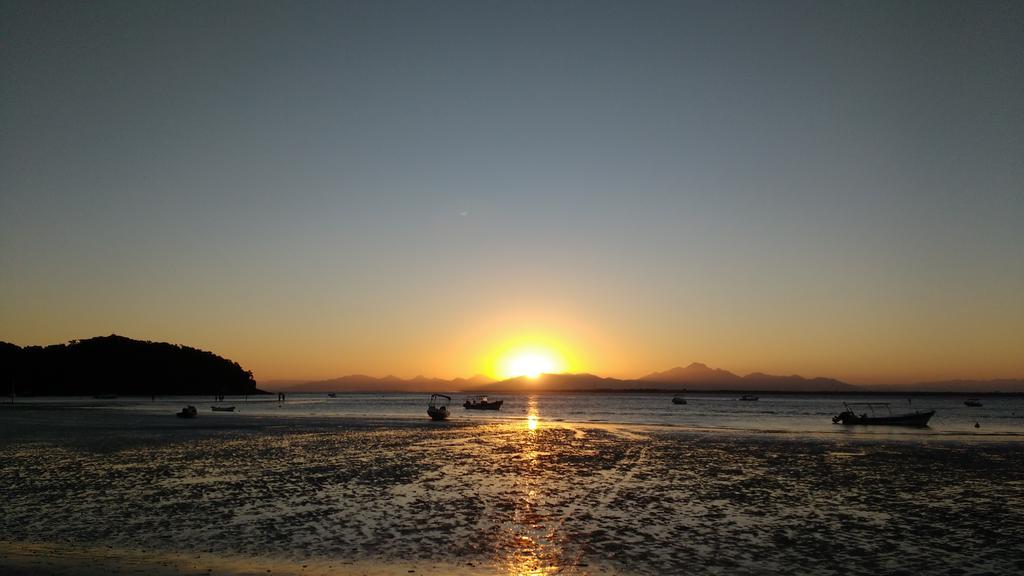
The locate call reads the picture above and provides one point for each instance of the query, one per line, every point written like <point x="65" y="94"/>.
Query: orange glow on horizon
<point x="530" y="357"/>
<point x="530" y="365"/>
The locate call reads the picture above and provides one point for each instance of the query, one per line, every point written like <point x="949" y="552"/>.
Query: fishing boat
<point x="188" y="412"/>
<point x="482" y="403"/>
<point x="437" y="408"/>
<point x="222" y="408"/>
<point x="332" y="395"/>
<point x="749" y="398"/>
<point x="871" y="417"/>
<point x="678" y="400"/>
<point x="973" y="403"/>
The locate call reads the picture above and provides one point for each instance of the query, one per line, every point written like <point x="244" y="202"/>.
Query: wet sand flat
<point x="234" y="494"/>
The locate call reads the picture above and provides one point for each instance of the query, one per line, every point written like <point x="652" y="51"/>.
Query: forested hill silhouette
<point x="118" y="365"/>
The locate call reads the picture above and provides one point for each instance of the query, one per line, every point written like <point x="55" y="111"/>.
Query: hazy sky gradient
<point x="320" y="188"/>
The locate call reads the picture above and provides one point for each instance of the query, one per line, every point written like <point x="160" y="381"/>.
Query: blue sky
<point x="317" y="188"/>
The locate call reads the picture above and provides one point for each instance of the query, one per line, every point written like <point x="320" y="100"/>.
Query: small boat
<point x="437" y="408"/>
<point x="222" y="408"/>
<point x="188" y="412"/>
<point x="482" y="403"/>
<point x="332" y="395"/>
<point x="678" y="400"/>
<point x="749" y="398"/>
<point x="973" y="403"/>
<point x="848" y="416"/>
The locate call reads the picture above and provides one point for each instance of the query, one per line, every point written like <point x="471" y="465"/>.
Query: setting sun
<point x="529" y="357"/>
<point x="530" y="365"/>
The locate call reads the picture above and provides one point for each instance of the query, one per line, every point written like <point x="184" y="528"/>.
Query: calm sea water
<point x="771" y="413"/>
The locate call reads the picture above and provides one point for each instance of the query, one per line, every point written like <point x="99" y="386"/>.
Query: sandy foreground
<point x="20" y="558"/>
<point x="91" y="491"/>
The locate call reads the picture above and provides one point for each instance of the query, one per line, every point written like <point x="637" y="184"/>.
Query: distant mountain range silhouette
<point x="695" y="377"/>
<point x="700" y="376"/>
<point x="389" y="383"/>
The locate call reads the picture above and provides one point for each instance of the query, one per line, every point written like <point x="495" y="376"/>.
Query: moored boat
<point x="973" y="403"/>
<point x="222" y="408"/>
<point x="188" y="412"/>
<point x="482" y="403"/>
<point x="678" y="400"/>
<point x="437" y="408"/>
<point x="749" y="398"/>
<point x="849" y="416"/>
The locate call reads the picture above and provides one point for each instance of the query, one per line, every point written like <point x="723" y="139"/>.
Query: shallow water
<point x="530" y="496"/>
<point x="1000" y="414"/>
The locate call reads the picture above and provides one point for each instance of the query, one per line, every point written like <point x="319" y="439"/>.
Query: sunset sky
<point x="316" y="189"/>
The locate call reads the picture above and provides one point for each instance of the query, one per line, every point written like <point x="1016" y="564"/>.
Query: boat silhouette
<point x="849" y="416"/>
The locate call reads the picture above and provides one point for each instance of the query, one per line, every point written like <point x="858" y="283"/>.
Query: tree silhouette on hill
<point x="118" y="365"/>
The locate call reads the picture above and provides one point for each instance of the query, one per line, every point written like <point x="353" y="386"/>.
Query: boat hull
<point x="483" y="405"/>
<point x="437" y="413"/>
<point x="916" y="419"/>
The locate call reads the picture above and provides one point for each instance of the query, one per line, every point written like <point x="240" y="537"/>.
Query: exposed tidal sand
<point x="97" y="491"/>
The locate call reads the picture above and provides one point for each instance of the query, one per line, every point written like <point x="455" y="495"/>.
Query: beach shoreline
<point x="25" y="418"/>
<point x="115" y="490"/>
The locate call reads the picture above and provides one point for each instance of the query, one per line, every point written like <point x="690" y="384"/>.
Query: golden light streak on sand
<point x="528" y="548"/>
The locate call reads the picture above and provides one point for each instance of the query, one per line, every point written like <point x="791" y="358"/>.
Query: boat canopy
<point x="870" y="405"/>
<point x="436" y="400"/>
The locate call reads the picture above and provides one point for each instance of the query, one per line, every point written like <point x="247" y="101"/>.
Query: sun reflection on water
<point x="532" y="414"/>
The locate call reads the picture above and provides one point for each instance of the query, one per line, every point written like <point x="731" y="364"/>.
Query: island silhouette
<point x="120" y="366"/>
